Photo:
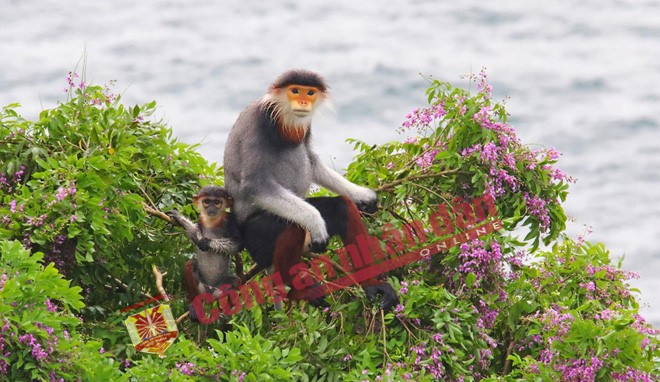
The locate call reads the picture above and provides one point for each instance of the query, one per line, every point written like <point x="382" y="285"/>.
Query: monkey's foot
<point x="390" y="298"/>
<point x="318" y="247"/>
<point x="367" y="206"/>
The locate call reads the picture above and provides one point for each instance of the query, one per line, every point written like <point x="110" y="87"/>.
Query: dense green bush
<point x="39" y="339"/>
<point x="73" y="186"/>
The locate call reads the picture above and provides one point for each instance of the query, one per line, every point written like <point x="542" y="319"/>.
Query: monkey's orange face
<point x="212" y="206"/>
<point x="302" y="99"/>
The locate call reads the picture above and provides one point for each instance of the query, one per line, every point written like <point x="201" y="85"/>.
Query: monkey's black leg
<point x="342" y="218"/>
<point x="274" y="242"/>
<point x="190" y="286"/>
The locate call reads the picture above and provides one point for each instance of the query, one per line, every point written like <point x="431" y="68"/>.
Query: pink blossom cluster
<point x="603" y="293"/>
<point x="556" y="321"/>
<point x="529" y="342"/>
<point x="644" y="328"/>
<point x="496" y="155"/>
<point x="587" y="367"/>
<point x="50" y="306"/>
<point x="500" y="179"/>
<point x="187" y="368"/>
<point x="16" y="178"/>
<point x="505" y="133"/>
<point x="70" y="80"/>
<point x="107" y="98"/>
<point x="431" y="362"/>
<point x="488" y="153"/>
<point x="486" y="319"/>
<point x="426" y="160"/>
<point x="612" y="273"/>
<point x="476" y="259"/>
<point x="36" y="221"/>
<point x="422" y="118"/>
<point x="460" y="102"/>
<point x="62" y="193"/>
<point x="40" y="352"/>
<point x="3" y="345"/>
<point x="483" y="86"/>
<point x="632" y="375"/>
<point x="580" y="370"/>
<point x="240" y="375"/>
<point x="536" y="206"/>
<point x="590" y="288"/>
<point x="404" y="288"/>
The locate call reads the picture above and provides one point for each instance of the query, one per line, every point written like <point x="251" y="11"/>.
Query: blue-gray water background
<point x="582" y="76"/>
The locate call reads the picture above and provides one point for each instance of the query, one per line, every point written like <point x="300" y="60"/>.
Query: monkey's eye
<point x="217" y="202"/>
<point x="311" y="92"/>
<point x="294" y="91"/>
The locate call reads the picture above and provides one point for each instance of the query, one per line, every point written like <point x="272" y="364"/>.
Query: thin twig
<point x="158" y="214"/>
<point x="178" y="320"/>
<point x="507" y="362"/>
<point x="415" y="177"/>
<point x="159" y="282"/>
<point x="333" y="263"/>
<point x="383" y="329"/>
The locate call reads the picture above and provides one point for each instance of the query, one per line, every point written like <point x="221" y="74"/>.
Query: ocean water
<point x="583" y="77"/>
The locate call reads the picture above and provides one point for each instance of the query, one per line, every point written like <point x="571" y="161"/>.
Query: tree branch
<point x="159" y="282"/>
<point x="158" y="214"/>
<point x="415" y="177"/>
<point x="507" y="362"/>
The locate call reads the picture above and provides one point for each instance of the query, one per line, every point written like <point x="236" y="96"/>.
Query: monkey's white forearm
<point x="286" y="204"/>
<point x="328" y="178"/>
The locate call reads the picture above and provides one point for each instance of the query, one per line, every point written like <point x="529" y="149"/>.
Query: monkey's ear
<point x="230" y="202"/>
<point x="195" y="200"/>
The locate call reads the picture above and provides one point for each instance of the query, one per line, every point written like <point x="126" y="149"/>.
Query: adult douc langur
<point x="269" y="166"/>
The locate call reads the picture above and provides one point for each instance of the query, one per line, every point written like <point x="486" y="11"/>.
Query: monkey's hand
<point x="204" y="244"/>
<point x="176" y="216"/>
<point x="309" y="246"/>
<point x="366" y="200"/>
<point x="319" y="236"/>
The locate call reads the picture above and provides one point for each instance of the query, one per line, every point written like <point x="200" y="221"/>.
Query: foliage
<point x="39" y="338"/>
<point x="498" y="308"/>
<point x="73" y="185"/>
<point x="574" y="319"/>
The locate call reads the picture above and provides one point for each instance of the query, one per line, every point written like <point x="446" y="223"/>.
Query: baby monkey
<point x="218" y="241"/>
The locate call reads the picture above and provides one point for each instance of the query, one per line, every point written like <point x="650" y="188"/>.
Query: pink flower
<point x="61" y="194"/>
<point x="50" y="306"/>
<point x="188" y="368"/>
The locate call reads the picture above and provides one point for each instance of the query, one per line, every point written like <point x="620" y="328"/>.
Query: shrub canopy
<point x="77" y="245"/>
